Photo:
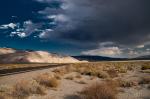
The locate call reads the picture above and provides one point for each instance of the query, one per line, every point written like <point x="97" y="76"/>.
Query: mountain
<point x="96" y="58"/>
<point x="146" y="57"/>
<point x="8" y="55"/>
<point x="7" y="51"/>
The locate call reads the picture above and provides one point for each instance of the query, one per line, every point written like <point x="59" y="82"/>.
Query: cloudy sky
<point x="115" y="28"/>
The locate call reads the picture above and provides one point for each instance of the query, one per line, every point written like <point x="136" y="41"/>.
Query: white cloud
<point x="10" y="25"/>
<point x="140" y="46"/>
<point x="133" y="53"/>
<point x="105" y="51"/>
<point x="27" y="28"/>
<point x="20" y="34"/>
<point x="58" y="18"/>
<point x="51" y="16"/>
<point x="45" y="33"/>
<point x="28" y="22"/>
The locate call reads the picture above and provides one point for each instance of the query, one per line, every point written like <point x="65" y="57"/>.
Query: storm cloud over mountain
<point x="121" y="26"/>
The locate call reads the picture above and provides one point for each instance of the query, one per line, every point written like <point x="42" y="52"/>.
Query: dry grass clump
<point x="60" y="71"/>
<point x="92" y="71"/>
<point x="23" y="89"/>
<point x="5" y="88"/>
<point x="5" y="92"/>
<point x="112" y="73"/>
<point x="79" y="76"/>
<point x="99" y="91"/>
<point x="70" y="77"/>
<point x="124" y="83"/>
<point x="145" y="67"/>
<point x="81" y="81"/>
<point x="47" y="81"/>
<point x="145" y="80"/>
<point x="58" y="76"/>
<point x="145" y="71"/>
<point x="121" y="68"/>
<point x="4" y="96"/>
<point x="148" y="87"/>
<point x="102" y="74"/>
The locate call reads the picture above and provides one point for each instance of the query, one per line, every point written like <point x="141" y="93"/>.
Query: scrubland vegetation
<point x="100" y="80"/>
<point x="105" y="90"/>
<point x="14" y="66"/>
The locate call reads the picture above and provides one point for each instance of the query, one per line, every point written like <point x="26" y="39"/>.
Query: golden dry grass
<point x="47" y="80"/>
<point x="145" y="80"/>
<point x="70" y="77"/>
<point x="99" y="91"/>
<point x="145" y="67"/>
<point x="13" y="66"/>
<point x="24" y="89"/>
<point x="4" y="96"/>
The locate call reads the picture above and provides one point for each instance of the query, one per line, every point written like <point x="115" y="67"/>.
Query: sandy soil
<point x="68" y="89"/>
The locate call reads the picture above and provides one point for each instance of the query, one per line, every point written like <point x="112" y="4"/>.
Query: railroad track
<point x="6" y="72"/>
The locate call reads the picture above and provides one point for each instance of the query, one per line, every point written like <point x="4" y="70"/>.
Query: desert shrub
<point x="5" y="89"/>
<point x="24" y="89"/>
<point x="122" y="70"/>
<point x="145" y="67"/>
<point x="124" y="83"/>
<point x="47" y="81"/>
<point x="5" y="92"/>
<point x="102" y="74"/>
<point x="58" y="76"/>
<point x="78" y="76"/>
<point x="70" y="77"/>
<point x="54" y="82"/>
<point x="145" y="80"/>
<point x="95" y="72"/>
<point x="60" y="71"/>
<point x="99" y="91"/>
<point x="131" y="66"/>
<point x="148" y="86"/>
<point x="81" y="81"/>
<point x="4" y="96"/>
<point x="70" y="68"/>
<point x="112" y="73"/>
<point x="145" y="71"/>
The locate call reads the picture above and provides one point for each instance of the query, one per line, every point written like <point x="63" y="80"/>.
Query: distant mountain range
<point x="97" y="58"/>
<point x="146" y="57"/>
<point x="103" y="58"/>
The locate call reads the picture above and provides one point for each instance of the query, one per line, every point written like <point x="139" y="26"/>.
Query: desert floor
<point x="131" y="79"/>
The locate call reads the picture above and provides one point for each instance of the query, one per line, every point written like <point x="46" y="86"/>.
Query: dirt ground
<point x="70" y="84"/>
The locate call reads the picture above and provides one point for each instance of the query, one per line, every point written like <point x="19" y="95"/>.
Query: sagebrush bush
<point x="112" y="73"/>
<point x="145" y="67"/>
<point x="125" y="83"/>
<point x="5" y="89"/>
<point x="26" y="88"/>
<point x="145" y="80"/>
<point x="47" y="81"/>
<point x="70" y="77"/>
<point x="94" y="72"/>
<point x="4" y="96"/>
<point x="99" y="91"/>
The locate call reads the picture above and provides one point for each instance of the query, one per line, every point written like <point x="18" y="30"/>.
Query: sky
<point x="114" y="28"/>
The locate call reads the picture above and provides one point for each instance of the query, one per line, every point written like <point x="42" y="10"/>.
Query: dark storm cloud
<point x="91" y="26"/>
<point x="121" y="21"/>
